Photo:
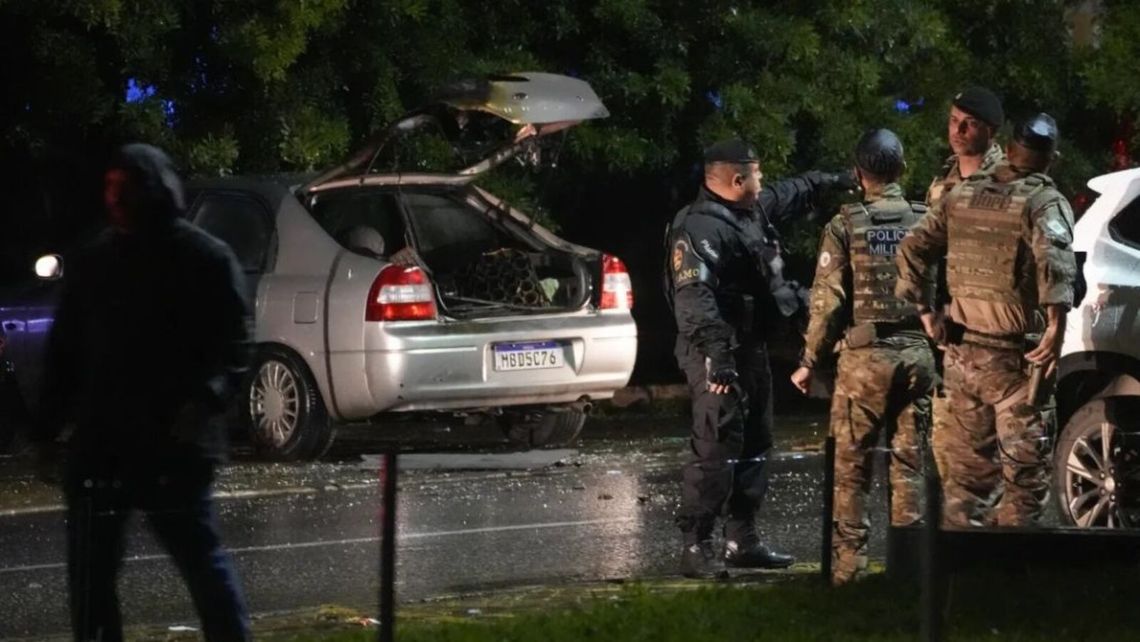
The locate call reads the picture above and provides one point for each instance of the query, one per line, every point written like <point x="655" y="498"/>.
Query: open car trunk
<point x="486" y="260"/>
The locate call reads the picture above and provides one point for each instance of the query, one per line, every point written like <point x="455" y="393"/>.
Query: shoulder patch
<point x="679" y="249"/>
<point x="824" y="259"/>
<point x="1056" y="227"/>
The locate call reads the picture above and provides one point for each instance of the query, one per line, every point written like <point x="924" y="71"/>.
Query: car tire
<point x="285" y="416"/>
<point x="1095" y="443"/>
<point x="545" y="429"/>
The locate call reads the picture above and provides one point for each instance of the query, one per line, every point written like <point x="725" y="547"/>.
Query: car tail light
<point x="401" y="294"/>
<point x="617" y="288"/>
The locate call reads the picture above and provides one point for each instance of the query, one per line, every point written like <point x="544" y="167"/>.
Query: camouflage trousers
<point x="884" y="388"/>
<point x="989" y="443"/>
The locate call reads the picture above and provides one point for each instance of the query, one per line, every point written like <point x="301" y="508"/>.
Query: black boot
<point x="754" y="555"/>
<point x="698" y="561"/>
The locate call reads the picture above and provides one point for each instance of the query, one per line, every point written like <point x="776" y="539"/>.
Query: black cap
<point x="981" y="103"/>
<point x="1038" y="133"/>
<point x="880" y="152"/>
<point x="731" y="151"/>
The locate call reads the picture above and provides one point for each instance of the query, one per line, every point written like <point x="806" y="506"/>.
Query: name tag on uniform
<point x="884" y="241"/>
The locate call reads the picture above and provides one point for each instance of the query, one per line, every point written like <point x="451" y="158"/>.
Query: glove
<point x="842" y="181"/>
<point x="721" y="371"/>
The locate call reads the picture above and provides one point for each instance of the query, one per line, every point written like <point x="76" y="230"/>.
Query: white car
<point x="1097" y="453"/>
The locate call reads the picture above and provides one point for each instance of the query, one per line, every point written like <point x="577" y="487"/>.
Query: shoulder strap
<point x="713" y="210"/>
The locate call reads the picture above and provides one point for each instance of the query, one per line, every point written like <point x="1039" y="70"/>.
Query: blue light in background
<point x="715" y="98"/>
<point x="137" y="93"/>
<point x="904" y="107"/>
<point x="169" y="108"/>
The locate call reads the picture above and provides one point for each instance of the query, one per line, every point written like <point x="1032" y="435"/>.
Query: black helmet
<point x="1038" y="133"/>
<point x="880" y="153"/>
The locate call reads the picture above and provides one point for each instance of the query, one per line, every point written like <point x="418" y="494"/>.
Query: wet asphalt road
<point x="601" y="512"/>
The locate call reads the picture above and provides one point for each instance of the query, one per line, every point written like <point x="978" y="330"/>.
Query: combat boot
<point x="698" y="561"/>
<point x="744" y="554"/>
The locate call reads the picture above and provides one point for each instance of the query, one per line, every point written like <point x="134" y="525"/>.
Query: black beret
<point x="1038" y="133"/>
<point x="981" y="103"/>
<point x="731" y="151"/>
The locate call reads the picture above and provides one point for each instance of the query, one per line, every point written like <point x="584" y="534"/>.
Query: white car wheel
<point x="1097" y="468"/>
<point x="285" y="415"/>
<point x="274" y="404"/>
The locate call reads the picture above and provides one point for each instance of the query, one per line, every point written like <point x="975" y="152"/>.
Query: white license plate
<point x="535" y="355"/>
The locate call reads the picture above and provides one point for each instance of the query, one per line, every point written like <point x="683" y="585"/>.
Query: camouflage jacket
<point x="951" y="176"/>
<point x="1046" y="273"/>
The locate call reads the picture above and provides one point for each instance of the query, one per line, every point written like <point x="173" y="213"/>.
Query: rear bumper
<point x="449" y="365"/>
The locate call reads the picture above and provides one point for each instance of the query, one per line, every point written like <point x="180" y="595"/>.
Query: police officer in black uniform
<point x="725" y="281"/>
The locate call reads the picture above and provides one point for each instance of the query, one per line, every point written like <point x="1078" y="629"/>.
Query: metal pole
<point x="826" y="530"/>
<point x="932" y="580"/>
<point x="388" y="547"/>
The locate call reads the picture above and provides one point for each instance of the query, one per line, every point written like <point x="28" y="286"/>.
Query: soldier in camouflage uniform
<point x="1007" y="240"/>
<point x="975" y="116"/>
<point x="886" y="367"/>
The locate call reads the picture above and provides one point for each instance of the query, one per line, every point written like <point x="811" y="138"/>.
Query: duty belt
<point x="885" y="329"/>
<point x="865" y="334"/>
<point x="999" y="341"/>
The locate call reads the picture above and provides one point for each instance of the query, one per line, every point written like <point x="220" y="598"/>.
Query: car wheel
<point x="286" y="417"/>
<point x="1096" y="466"/>
<point x="549" y="428"/>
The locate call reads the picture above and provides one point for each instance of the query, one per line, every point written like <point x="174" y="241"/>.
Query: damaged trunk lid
<point x="471" y="127"/>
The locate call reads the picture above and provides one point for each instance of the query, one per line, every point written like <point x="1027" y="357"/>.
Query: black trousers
<point x="173" y="492"/>
<point x="727" y="474"/>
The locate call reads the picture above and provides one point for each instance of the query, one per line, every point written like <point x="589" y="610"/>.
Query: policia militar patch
<point x="884" y="241"/>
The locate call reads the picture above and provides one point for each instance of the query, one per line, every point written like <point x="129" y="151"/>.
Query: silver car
<point x="392" y="283"/>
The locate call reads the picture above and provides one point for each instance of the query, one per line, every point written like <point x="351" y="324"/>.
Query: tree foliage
<point x="243" y="86"/>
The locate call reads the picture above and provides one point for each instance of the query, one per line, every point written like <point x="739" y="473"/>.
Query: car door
<point x="1108" y="320"/>
<point x="244" y="222"/>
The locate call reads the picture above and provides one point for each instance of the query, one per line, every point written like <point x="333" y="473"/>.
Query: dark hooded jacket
<point x="151" y="337"/>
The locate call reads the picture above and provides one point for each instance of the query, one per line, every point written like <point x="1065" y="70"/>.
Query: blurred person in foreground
<point x="149" y="344"/>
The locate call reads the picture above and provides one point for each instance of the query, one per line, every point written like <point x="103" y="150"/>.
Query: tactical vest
<point x="875" y="231"/>
<point x="985" y="226"/>
<point x="757" y="244"/>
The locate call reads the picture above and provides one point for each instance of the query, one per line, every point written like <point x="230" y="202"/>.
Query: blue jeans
<point x="173" y="492"/>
